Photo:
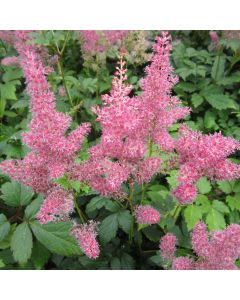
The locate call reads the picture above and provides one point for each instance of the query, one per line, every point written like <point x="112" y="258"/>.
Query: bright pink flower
<point x="85" y="235"/>
<point x="185" y="193"/>
<point x="57" y="205"/>
<point x="200" y="240"/>
<point x="103" y="175"/>
<point x="182" y="263"/>
<point x="168" y="246"/>
<point x="146" y="214"/>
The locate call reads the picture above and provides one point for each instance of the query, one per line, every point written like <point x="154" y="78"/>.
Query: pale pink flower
<point x="203" y="155"/>
<point x="168" y="246"/>
<point x="57" y="205"/>
<point x="182" y="263"/>
<point x="146" y="214"/>
<point x="85" y="235"/>
<point x="10" y="61"/>
<point x="185" y="193"/>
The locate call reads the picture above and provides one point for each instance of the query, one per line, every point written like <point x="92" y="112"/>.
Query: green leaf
<point x="22" y="243"/>
<point x="197" y="100"/>
<point x="99" y="202"/>
<point x="8" y="91"/>
<point x="15" y="194"/>
<point x="218" y="68"/>
<point x="225" y="186"/>
<point x="108" y="228"/>
<point x="204" y="185"/>
<point x="115" y="263"/>
<point x="127" y="262"/>
<point x="153" y="233"/>
<point x="2" y="264"/>
<point x="40" y="255"/>
<point x="220" y="206"/>
<point x="20" y="104"/>
<point x="220" y="101"/>
<point x="96" y="203"/>
<point x="125" y="220"/>
<point x="215" y="220"/>
<point x="4" y="227"/>
<point x="6" y="242"/>
<point x="33" y="208"/>
<point x="192" y="215"/>
<point x="233" y="202"/>
<point x="172" y="179"/>
<point x="12" y="74"/>
<point x="204" y="203"/>
<point x="210" y="120"/>
<point x="56" y="237"/>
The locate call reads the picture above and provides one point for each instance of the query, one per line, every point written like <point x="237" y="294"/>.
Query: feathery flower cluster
<point x="203" y="155"/>
<point x="10" y="61"/>
<point x="168" y="246"/>
<point x="218" y="251"/>
<point x="53" y="152"/>
<point x="122" y="148"/>
<point x="129" y="123"/>
<point x="146" y="214"/>
<point x="85" y="235"/>
<point x="58" y="205"/>
<point x="161" y="110"/>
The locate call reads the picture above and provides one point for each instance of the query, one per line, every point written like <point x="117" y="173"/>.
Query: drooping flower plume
<point x="85" y="235"/>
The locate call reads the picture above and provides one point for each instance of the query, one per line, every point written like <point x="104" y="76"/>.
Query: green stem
<point x="130" y="199"/>
<point x="60" y="68"/>
<point x="176" y="212"/>
<point x="81" y="216"/>
<point x="65" y="43"/>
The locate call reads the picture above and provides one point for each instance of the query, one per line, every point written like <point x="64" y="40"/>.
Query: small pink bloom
<point x="85" y="235"/>
<point x="168" y="246"/>
<point x="183" y="263"/>
<point x="147" y="215"/>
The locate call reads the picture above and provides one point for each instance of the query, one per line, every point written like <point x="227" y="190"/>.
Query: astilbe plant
<point x="134" y="134"/>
